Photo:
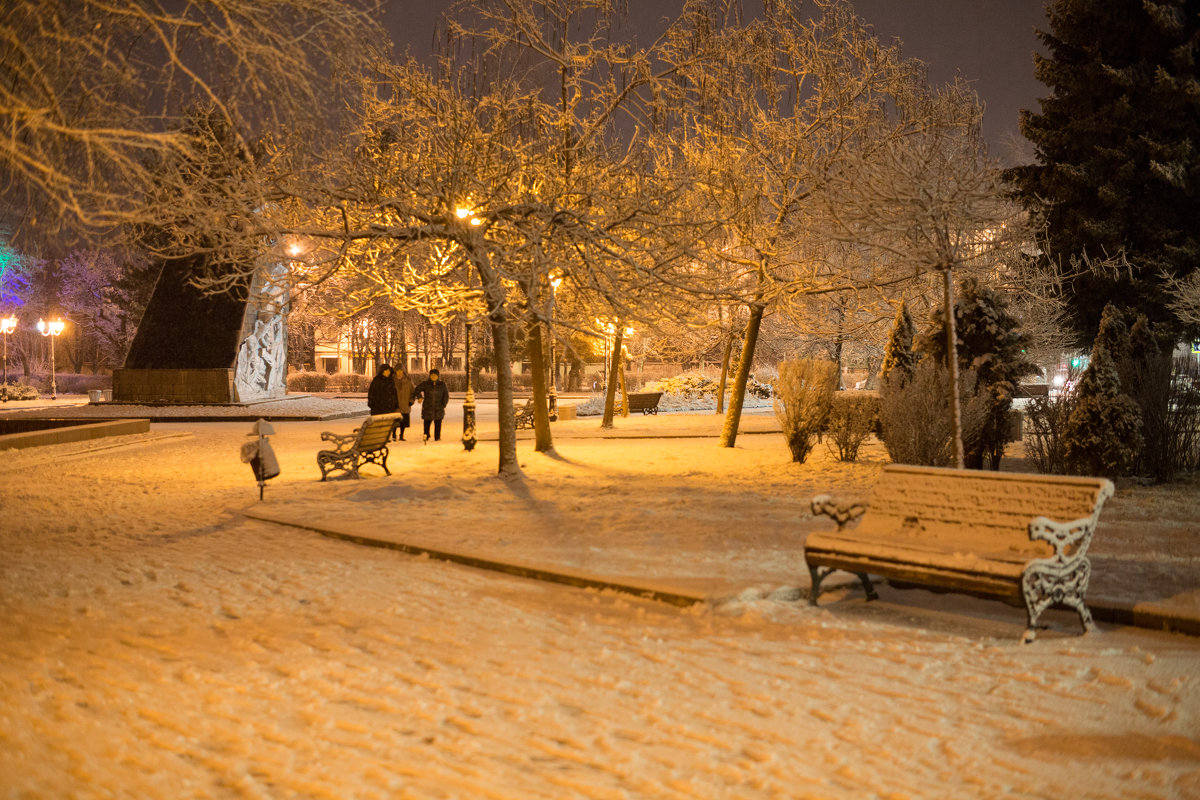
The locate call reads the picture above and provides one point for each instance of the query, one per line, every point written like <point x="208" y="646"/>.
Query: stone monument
<point x="194" y="347"/>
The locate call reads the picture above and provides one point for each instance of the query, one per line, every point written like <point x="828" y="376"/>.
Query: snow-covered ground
<point x="157" y="643"/>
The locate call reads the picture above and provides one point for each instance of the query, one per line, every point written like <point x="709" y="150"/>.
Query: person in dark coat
<point x="434" y="399"/>
<point x="381" y="394"/>
<point x="404" y="396"/>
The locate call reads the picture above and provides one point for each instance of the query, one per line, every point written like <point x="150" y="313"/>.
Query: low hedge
<point x="304" y="382"/>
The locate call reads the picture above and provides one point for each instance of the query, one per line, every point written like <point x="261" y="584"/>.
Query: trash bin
<point x="260" y="455"/>
<point x="95" y="395"/>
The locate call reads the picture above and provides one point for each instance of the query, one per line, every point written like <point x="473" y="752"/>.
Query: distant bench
<point x="366" y="444"/>
<point x="524" y="414"/>
<point x="645" y="402"/>
<point x="992" y="534"/>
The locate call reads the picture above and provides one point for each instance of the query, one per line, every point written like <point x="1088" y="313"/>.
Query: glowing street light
<point x="53" y="329"/>
<point x="7" y="325"/>
<point x="464" y="213"/>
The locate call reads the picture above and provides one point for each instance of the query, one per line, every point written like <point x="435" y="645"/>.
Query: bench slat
<point x="992" y="584"/>
<point x="932" y="503"/>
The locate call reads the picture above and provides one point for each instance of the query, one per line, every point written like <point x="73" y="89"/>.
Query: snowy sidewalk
<point x="160" y="643"/>
<point x="654" y="508"/>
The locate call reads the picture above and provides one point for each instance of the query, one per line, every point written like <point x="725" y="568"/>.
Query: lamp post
<point x="468" y="434"/>
<point x="7" y="326"/>
<point x="552" y="400"/>
<point x="52" y="329"/>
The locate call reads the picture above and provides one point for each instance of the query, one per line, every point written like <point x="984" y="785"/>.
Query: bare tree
<point x="95" y="95"/>
<point x="1186" y="304"/>
<point x="765" y="121"/>
<point x="464" y="195"/>
<point x="933" y="200"/>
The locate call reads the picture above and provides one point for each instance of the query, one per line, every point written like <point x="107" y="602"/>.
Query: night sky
<point x="988" y="42"/>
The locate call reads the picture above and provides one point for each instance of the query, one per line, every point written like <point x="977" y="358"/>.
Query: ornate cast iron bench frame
<point x="367" y="444"/>
<point x="969" y="531"/>
<point x="524" y="415"/>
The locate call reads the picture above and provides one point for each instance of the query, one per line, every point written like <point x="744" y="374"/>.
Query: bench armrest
<point x="1075" y="535"/>
<point x="841" y="513"/>
<point x="340" y="440"/>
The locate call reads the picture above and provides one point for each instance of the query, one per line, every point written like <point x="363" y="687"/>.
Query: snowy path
<point x="158" y="644"/>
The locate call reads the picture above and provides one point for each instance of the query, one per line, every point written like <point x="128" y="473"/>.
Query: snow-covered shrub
<point x="898" y="355"/>
<point x="76" y="383"/>
<point x="688" y="392"/>
<point x="306" y="381"/>
<point x="852" y="418"/>
<point x="1045" y="426"/>
<point x="18" y="391"/>
<point x="1169" y="406"/>
<point x="764" y="391"/>
<point x="688" y="386"/>
<point x="694" y="387"/>
<point x="915" y="417"/>
<point x="990" y="341"/>
<point x="803" y="396"/>
<point x="1104" y="432"/>
<point x="348" y="382"/>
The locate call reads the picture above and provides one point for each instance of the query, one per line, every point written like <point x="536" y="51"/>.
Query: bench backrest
<point x="640" y="400"/>
<point x="975" y="511"/>
<point x="376" y="431"/>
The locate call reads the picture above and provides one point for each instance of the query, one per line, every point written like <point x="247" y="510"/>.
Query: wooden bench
<point x="367" y="444"/>
<point x="524" y="414"/>
<point x="1020" y="538"/>
<point x="645" y="402"/>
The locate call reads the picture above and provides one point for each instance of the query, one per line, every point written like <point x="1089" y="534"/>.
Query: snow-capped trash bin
<point x="260" y="455"/>
<point x="95" y="395"/>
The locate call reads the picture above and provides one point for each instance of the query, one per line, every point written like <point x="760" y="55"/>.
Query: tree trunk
<point x="733" y="417"/>
<point x="495" y="297"/>
<point x="543" y="442"/>
<point x="502" y="352"/>
<point x="624" y="388"/>
<point x="613" y="365"/>
<point x="952" y="368"/>
<point x="837" y="359"/>
<point x="724" y="372"/>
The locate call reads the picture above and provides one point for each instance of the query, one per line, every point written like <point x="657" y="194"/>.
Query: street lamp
<point x="52" y="329"/>
<point x="7" y="326"/>
<point x="552" y="400"/>
<point x="468" y="434"/>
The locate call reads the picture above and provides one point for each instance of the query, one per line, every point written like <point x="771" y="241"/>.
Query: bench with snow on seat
<point x="645" y="402"/>
<point x="366" y="444"/>
<point x="1020" y="538"/>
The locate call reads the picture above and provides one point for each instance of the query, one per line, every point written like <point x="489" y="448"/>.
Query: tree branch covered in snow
<point x="94" y="93"/>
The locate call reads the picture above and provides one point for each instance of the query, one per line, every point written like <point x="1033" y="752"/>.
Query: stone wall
<point x="150" y="386"/>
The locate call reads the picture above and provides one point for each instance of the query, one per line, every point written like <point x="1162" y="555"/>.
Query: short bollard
<point x="260" y="455"/>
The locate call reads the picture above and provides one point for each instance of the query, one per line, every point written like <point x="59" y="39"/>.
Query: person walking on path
<point x="404" y="400"/>
<point x="381" y="394"/>
<point x="434" y="399"/>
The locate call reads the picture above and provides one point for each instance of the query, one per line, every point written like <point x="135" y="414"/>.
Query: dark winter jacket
<point x="434" y="398"/>
<point x="381" y="394"/>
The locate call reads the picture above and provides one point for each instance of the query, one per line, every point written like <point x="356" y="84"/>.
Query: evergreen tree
<point x="1118" y="150"/>
<point x="898" y="355"/>
<point x="990" y="343"/>
<point x="1104" y="432"/>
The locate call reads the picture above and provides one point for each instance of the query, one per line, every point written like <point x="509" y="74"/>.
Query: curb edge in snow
<point x="578" y="580"/>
